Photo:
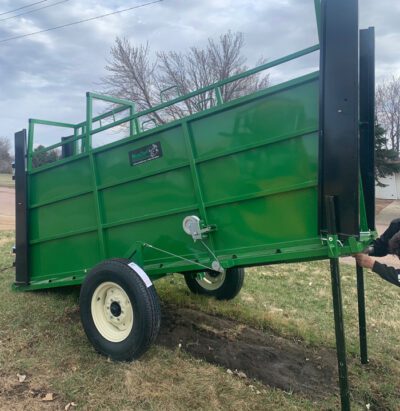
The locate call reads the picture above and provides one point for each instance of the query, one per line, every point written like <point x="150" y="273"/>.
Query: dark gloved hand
<point x="369" y="250"/>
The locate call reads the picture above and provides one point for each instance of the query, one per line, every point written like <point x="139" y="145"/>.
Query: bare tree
<point x="132" y="75"/>
<point x="388" y="110"/>
<point x="135" y="75"/>
<point x="386" y="159"/>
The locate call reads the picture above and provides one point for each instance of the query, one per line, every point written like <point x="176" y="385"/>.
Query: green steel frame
<point x="311" y="248"/>
<point x="95" y="197"/>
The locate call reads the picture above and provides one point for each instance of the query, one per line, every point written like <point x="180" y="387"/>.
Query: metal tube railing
<point x="61" y="143"/>
<point x="211" y="87"/>
<point x="132" y="118"/>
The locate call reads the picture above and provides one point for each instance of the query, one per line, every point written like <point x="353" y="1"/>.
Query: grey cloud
<point x="46" y="76"/>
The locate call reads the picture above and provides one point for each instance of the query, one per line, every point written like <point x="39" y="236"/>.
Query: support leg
<point x="339" y="332"/>
<point x="361" y="315"/>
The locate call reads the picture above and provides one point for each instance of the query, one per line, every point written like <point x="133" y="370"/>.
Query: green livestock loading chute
<point x="284" y="174"/>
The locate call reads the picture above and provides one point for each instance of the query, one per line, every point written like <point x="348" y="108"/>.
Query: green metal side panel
<point x="258" y="167"/>
<point x="62" y="225"/>
<point x="262" y="120"/>
<point x="139" y="199"/>
<point x="249" y="167"/>
<point x="59" y="181"/>
<point x="66" y="256"/>
<point x="113" y="164"/>
<point x="62" y="217"/>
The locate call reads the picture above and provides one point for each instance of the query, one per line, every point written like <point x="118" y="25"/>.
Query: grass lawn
<point x="41" y="338"/>
<point x="6" y="180"/>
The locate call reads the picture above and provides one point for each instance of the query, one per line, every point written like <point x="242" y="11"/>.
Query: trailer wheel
<point x="120" y="311"/>
<point x="222" y="286"/>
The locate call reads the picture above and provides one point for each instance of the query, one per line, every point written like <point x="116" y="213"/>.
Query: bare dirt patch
<point x="7" y="208"/>
<point x="272" y="360"/>
<point x="27" y="395"/>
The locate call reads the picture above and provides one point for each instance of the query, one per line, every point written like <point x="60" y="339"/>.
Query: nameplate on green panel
<point x="146" y="153"/>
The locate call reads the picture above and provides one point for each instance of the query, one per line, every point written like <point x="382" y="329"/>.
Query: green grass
<point x="6" y="180"/>
<point x="41" y="337"/>
<point x="294" y="300"/>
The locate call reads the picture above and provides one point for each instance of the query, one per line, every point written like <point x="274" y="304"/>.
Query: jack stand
<point x="337" y="304"/>
<point x="361" y="316"/>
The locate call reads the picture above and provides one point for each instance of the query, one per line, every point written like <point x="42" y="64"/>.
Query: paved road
<point x="7" y="208"/>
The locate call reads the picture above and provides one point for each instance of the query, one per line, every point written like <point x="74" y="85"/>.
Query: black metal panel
<point x="339" y="120"/>
<point x="67" y="149"/>
<point x="21" y="210"/>
<point x="367" y="121"/>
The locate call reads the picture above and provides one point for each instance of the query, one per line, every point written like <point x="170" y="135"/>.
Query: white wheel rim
<point x="210" y="281"/>
<point x="112" y="312"/>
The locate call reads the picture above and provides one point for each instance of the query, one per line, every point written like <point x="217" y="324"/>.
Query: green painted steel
<point x="248" y="168"/>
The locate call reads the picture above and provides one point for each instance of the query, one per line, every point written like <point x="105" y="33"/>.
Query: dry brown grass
<point x="41" y="337"/>
<point x="6" y="180"/>
<point x="7" y="207"/>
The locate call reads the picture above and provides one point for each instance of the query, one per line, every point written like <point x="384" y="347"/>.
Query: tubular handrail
<point x="86" y="126"/>
<point x="151" y="120"/>
<point x="56" y="145"/>
<point x="110" y="99"/>
<point x="217" y="86"/>
<point x="116" y="110"/>
<point x="228" y="80"/>
<point x="213" y="86"/>
<point x="52" y="123"/>
<point x="162" y="92"/>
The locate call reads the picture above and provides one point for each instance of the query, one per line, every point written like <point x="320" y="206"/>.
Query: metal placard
<point x="146" y="153"/>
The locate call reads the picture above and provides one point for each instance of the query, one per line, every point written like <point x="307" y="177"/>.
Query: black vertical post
<point x="338" y="307"/>
<point x="339" y="332"/>
<point x="367" y="121"/>
<point x="67" y="149"/>
<point x="339" y="114"/>
<point x="21" y="211"/>
<point x="367" y="161"/>
<point x="361" y="316"/>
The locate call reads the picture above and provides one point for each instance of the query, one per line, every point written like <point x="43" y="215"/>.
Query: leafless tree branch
<point x="388" y="110"/>
<point x="133" y="75"/>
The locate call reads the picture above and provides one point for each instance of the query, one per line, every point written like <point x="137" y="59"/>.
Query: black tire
<point x="142" y="311"/>
<point x="228" y="288"/>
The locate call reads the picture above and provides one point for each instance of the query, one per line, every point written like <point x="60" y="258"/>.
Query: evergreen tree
<point x="46" y="157"/>
<point x="5" y="157"/>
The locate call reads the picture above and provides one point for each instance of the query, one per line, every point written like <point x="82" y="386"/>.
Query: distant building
<point x="392" y="189"/>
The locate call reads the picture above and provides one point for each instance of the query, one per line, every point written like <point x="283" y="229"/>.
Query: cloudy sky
<point x="47" y="75"/>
